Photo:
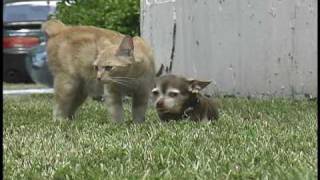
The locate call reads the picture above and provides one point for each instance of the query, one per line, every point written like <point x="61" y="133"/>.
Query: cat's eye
<point x="108" y="68"/>
<point x="173" y="94"/>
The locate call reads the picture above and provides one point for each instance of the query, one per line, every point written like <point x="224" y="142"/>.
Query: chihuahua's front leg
<point x="205" y="119"/>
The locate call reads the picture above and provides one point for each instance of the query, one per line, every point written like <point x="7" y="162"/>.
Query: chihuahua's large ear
<point x="159" y="73"/>
<point x="195" y="86"/>
<point x="126" y="47"/>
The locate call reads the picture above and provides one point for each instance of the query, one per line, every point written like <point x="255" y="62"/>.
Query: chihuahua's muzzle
<point x="176" y="98"/>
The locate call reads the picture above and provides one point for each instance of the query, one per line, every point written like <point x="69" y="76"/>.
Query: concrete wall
<point x="246" y="47"/>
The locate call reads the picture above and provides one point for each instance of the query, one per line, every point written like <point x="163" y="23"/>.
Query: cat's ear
<point x="195" y="86"/>
<point x="126" y="47"/>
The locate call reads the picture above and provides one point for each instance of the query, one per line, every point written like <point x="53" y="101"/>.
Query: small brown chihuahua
<point x="176" y="97"/>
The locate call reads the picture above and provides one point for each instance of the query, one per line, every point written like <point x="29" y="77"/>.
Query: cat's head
<point x="114" y="61"/>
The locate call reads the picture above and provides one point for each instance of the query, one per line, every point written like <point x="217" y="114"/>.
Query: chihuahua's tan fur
<point x="88" y="61"/>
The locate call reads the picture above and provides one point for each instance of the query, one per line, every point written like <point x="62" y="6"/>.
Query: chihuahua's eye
<point x="107" y="68"/>
<point x="95" y="68"/>
<point x="173" y="94"/>
<point x="155" y="92"/>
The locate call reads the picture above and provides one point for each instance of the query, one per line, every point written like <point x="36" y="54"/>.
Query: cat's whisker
<point x="123" y="77"/>
<point x="120" y="83"/>
<point x="117" y="82"/>
<point x="125" y="84"/>
<point x="122" y="80"/>
<point x="129" y="82"/>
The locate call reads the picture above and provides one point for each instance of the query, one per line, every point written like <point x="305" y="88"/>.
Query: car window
<point x="28" y="11"/>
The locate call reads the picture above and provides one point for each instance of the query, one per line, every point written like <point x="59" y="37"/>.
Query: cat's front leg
<point x="139" y="107"/>
<point x="69" y="95"/>
<point x="114" y="106"/>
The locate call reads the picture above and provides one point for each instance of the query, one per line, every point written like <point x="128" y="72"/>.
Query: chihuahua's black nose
<point x="99" y="78"/>
<point x="160" y="104"/>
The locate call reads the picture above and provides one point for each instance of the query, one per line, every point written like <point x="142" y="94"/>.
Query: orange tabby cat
<point x="88" y="61"/>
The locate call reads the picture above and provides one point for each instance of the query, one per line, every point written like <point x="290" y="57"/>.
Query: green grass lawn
<point x="253" y="139"/>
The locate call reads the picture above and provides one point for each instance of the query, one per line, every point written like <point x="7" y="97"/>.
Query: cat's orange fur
<point x="73" y="51"/>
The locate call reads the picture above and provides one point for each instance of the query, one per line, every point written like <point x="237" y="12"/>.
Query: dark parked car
<point x="37" y="67"/>
<point x="23" y="41"/>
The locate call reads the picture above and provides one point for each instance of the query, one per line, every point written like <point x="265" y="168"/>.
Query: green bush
<point x="119" y="15"/>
